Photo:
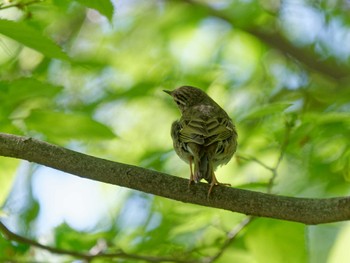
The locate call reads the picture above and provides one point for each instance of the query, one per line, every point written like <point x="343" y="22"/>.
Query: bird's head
<point x="187" y="96"/>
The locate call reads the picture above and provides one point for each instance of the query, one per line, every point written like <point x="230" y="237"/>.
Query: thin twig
<point x="85" y="255"/>
<point x="251" y="158"/>
<point x="280" y="157"/>
<point x="230" y="238"/>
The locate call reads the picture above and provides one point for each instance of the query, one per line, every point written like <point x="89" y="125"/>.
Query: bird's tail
<point x="203" y="169"/>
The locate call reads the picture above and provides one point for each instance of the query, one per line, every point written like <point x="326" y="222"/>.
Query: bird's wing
<point x="219" y="129"/>
<point x="191" y="134"/>
<point x="206" y="132"/>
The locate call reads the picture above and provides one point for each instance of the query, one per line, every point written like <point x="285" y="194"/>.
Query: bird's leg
<point x="214" y="182"/>
<point x="191" y="170"/>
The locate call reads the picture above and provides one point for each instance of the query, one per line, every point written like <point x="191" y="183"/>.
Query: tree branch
<point x="303" y="210"/>
<point x="306" y="55"/>
<point x="85" y="255"/>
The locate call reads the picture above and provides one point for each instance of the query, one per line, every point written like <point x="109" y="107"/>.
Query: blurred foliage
<point x="88" y="75"/>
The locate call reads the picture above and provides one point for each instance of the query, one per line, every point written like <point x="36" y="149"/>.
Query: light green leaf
<point x="7" y="175"/>
<point x="104" y="7"/>
<point x="328" y="118"/>
<point x="58" y="126"/>
<point x="277" y="241"/>
<point x="29" y="37"/>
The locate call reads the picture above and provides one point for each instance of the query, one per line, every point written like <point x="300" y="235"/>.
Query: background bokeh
<point x="89" y="75"/>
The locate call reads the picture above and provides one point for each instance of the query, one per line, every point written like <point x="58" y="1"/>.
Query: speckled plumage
<point x="204" y="135"/>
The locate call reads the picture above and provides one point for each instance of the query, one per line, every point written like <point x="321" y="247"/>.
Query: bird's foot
<point x="191" y="174"/>
<point x="190" y="182"/>
<point x="214" y="183"/>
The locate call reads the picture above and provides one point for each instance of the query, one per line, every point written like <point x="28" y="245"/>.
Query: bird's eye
<point x="178" y="102"/>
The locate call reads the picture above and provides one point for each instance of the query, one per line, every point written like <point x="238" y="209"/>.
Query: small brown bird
<point x="204" y="136"/>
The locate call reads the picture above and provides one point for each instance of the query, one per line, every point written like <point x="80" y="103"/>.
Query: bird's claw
<point x="214" y="183"/>
<point x="190" y="182"/>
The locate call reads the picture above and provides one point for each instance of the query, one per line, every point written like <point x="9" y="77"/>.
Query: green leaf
<point x="274" y="108"/>
<point x="104" y="7"/>
<point x="329" y="118"/>
<point x="277" y="241"/>
<point x="58" y="126"/>
<point x="68" y="238"/>
<point x="29" y="37"/>
<point x="7" y="175"/>
<point x="18" y="97"/>
<point x="14" y="92"/>
<point x="10" y="249"/>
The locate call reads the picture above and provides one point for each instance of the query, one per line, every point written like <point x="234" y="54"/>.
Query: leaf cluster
<point x="88" y="75"/>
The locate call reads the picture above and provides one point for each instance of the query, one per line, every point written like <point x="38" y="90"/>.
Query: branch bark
<point x="303" y="210"/>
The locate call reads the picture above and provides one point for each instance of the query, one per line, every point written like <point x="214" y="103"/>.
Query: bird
<point x="204" y="137"/>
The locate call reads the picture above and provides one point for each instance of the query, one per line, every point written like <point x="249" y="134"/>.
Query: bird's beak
<point x="168" y="91"/>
